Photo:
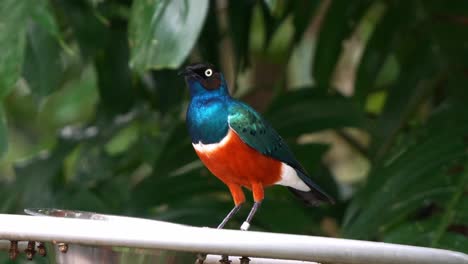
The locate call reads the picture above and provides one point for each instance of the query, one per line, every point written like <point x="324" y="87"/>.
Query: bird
<point x="239" y="146"/>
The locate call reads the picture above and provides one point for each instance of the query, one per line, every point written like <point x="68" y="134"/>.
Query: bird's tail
<point x="315" y="197"/>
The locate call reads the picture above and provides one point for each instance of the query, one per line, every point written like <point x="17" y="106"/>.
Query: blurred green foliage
<point x="92" y="109"/>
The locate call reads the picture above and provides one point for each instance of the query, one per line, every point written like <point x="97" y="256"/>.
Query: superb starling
<point x="239" y="146"/>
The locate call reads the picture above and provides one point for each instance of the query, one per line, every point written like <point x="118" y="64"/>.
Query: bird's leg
<point x="246" y="225"/>
<point x="229" y="216"/>
<point x="239" y="199"/>
<point x="258" y="194"/>
<point x="202" y="256"/>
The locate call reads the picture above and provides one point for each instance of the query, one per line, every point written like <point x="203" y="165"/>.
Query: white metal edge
<point x="131" y="232"/>
<point x="214" y="259"/>
<point x="210" y="259"/>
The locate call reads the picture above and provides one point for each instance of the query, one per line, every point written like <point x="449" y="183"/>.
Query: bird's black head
<point x="204" y="74"/>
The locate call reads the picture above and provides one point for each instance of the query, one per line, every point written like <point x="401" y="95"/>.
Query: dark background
<point x="371" y="96"/>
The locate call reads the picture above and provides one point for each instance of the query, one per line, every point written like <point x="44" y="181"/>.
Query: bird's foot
<point x="200" y="258"/>
<point x="245" y="226"/>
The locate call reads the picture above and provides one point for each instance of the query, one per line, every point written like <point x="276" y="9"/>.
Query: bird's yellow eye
<point x="208" y="72"/>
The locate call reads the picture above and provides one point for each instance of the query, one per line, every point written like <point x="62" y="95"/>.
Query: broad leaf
<point x="43" y="68"/>
<point x="42" y="15"/>
<point x="421" y="233"/>
<point x="448" y="27"/>
<point x="3" y="133"/>
<point x="114" y="76"/>
<point x="416" y="81"/>
<point x="309" y="110"/>
<point x="36" y="177"/>
<point x="378" y="48"/>
<point x="13" y="20"/>
<point x="210" y="37"/>
<point x="303" y="11"/>
<point x="163" y="32"/>
<point x="339" y="23"/>
<point x="169" y="89"/>
<point x="240" y="17"/>
<point x="401" y="184"/>
<point x="88" y="29"/>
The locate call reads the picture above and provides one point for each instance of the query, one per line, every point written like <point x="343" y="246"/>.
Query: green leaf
<point x="78" y="197"/>
<point x="3" y="132"/>
<point x="273" y="5"/>
<point x="450" y="210"/>
<point x="284" y="23"/>
<point x="121" y="141"/>
<point x="87" y="28"/>
<point x="43" y="68"/>
<point x="210" y="37"/>
<point x="461" y="212"/>
<point x="240" y="15"/>
<point x="303" y="11"/>
<point x="169" y="90"/>
<point x="162" y="32"/>
<point x="420" y="233"/>
<point x="448" y="27"/>
<point x="339" y="23"/>
<point x="414" y="84"/>
<point x="404" y="182"/>
<point x="379" y="47"/>
<point x="7" y="199"/>
<point x="308" y="110"/>
<point x="37" y="177"/>
<point x="114" y="76"/>
<point x="42" y="15"/>
<point x="75" y="102"/>
<point x="199" y="209"/>
<point x="285" y="214"/>
<point x="13" y="19"/>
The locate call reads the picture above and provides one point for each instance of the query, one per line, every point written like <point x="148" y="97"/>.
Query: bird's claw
<point x="245" y="226"/>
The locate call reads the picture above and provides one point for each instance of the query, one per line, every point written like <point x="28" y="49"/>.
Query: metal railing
<point x="106" y="230"/>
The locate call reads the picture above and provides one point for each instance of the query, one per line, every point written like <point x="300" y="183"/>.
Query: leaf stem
<point x="449" y="211"/>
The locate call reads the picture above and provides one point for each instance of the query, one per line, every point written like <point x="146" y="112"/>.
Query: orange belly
<point x="234" y="162"/>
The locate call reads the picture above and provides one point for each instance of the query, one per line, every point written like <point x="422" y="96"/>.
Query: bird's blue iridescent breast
<point x="207" y="118"/>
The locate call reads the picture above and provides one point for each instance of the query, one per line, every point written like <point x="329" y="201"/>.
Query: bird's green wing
<point x="258" y="134"/>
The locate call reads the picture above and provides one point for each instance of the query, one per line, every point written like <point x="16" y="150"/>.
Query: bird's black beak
<point x="189" y="74"/>
<point x="185" y="72"/>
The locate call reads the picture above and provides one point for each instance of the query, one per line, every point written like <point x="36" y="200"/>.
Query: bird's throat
<point x="207" y="120"/>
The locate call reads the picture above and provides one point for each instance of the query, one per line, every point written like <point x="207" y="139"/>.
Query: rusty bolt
<point x="244" y="260"/>
<point x="41" y="249"/>
<point x="224" y="259"/>
<point x="13" y="251"/>
<point x="30" y="250"/>
<point x="63" y="247"/>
